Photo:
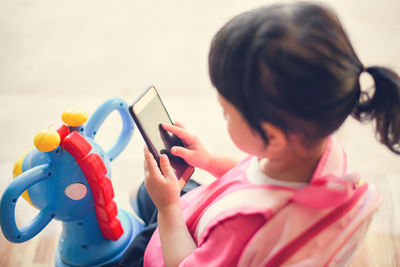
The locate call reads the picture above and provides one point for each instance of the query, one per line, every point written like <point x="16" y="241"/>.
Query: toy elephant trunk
<point x="67" y="177"/>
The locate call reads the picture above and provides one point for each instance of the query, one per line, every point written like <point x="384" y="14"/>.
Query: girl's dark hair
<point x="293" y="65"/>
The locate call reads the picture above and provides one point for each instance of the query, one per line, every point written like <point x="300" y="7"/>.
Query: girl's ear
<point x="277" y="140"/>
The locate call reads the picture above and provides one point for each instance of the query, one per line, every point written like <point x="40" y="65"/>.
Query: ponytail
<point x="383" y="107"/>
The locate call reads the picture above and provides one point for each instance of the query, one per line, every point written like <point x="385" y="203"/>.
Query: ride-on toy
<point x="67" y="177"/>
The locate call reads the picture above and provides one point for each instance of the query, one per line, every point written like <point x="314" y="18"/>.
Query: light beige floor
<point x="54" y="54"/>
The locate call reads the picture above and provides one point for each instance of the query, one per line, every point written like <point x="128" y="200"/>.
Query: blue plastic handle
<point x="99" y="116"/>
<point x="9" y="201"/>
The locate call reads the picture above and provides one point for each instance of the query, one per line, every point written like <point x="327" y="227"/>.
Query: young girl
<point x="287" y="77"/>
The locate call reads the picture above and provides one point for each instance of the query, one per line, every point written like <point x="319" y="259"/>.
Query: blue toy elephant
<point x="67" y="177"/>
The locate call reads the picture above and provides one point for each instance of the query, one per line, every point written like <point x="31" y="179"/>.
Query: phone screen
<point x="149" y="112"/>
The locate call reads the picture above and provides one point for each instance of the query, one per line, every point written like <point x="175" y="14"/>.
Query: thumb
<point x="166" y="168"/>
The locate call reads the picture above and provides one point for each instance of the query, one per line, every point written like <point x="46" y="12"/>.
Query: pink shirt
<point x="235" y="232"/>
<point x="234" y="221"/>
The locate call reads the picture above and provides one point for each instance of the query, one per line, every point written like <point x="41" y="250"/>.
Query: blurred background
<point x="56" y="54"/>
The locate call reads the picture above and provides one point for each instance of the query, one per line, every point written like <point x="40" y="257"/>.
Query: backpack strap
<point x="263" y="200"/>
<point x="317" y="237"/>
<point x="287" y="251"/>
<point x="350" y="238"/>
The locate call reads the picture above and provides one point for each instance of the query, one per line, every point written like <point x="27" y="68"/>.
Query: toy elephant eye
<point x="76" y="191"/>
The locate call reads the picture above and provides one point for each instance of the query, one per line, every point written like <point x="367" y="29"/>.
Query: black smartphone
<point x="149" y="112"/>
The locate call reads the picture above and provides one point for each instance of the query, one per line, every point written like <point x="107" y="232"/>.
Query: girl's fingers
<point x="173" y="129"/>
<point x="179" y="132"/>
<point x="150" y="163"/>
<point x="166" y="168"/>
<point x="180" y="125"/>
<point x="181" y="152"/>
<point x="153" y="173"/>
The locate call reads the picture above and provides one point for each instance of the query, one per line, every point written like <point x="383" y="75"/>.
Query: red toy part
<point x="95" y="171"/>
<point x="93" y="167"/>
<point x="63" y="131"/>
<point x="76" y="145"/>
<point x="103" y="191"/>
<point x="106" y="213"/>
<point x="111" y="230"/>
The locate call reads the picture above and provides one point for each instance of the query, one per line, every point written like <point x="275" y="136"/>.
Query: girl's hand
<point x="194" y="152"/>
<point x="163" y="186"/>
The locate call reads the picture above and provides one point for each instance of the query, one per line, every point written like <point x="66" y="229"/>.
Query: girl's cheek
<point x="231" y="133"/>
<point x="225" y="115"/>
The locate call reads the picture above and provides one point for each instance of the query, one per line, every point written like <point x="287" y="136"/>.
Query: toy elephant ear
<point x="99" y="116"/>
<point x="46" y="140"/>
<point x="8" y="203"/>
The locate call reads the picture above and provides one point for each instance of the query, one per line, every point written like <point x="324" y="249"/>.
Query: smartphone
<point x="149" y="112"/>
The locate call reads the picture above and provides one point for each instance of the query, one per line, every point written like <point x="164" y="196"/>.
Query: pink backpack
<point x="332" y="216"/>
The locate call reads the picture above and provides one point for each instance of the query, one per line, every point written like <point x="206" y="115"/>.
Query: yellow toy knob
<point x="74" y="116"/>
<point x="47" y="140"/>
<point x="17" y="170"/>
